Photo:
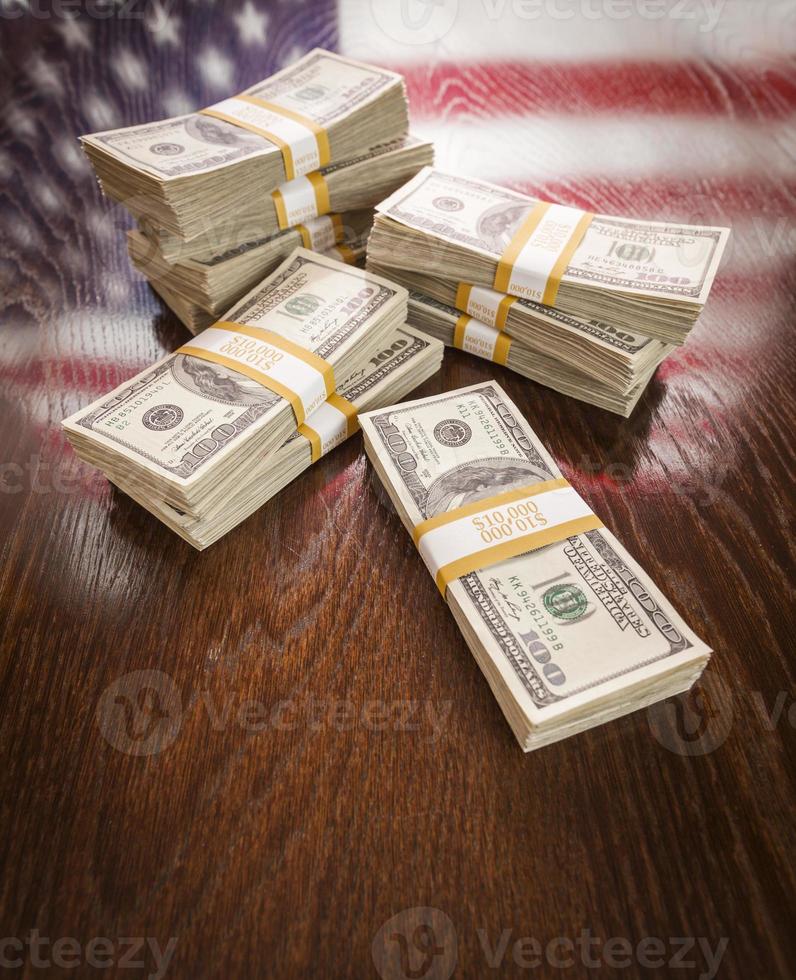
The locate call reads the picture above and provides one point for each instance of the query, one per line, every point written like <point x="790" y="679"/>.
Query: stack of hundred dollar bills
<point x="224" y="194"/>
<point x="569" y="631"/>
<point x="199" y="290"/>
<point x="209" y="433"/>
<point x="591" y="314"/>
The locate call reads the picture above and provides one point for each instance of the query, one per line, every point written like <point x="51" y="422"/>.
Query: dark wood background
<point x="280" y="846"/>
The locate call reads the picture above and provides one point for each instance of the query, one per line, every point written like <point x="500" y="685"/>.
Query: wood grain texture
<point x="378" y="774"/>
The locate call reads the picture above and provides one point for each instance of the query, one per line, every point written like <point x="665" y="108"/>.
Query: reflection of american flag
<point x="686" y="117"/>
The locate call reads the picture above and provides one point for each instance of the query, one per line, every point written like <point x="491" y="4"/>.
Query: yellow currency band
<point x="337" y="224"/>
<point x="321" y="136"/>
<point x="502" y="343"/>
<point x="342" y="405"/>
<point x="339" y="227"/>
<point x="276" y="340"/>
<point x="481" y="560"/>
<point x="463" y="291"/>
<point x="515" y="246"/>
<point x="506" y="262"/>
<point x="554" y="282"/>
<point x="322" y="201"/>
<point x="287" y="153"/>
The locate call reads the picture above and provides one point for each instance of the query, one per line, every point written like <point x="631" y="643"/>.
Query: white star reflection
<point x="216" y="69"/>
<point x="43" y="75"/>
<point x="69" y="156"/>
<point x="163" y="26"/>
<point x="176" y="102"/>
<point x="74" y="33"/>
<point x="130" y="70"/>
<point x="98" y="111"/>
<point x="251" y="24"/>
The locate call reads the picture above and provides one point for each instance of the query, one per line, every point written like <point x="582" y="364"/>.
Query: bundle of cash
<point x="195" y="315"/>
<point x="569" y="631"/>
<point x="184" y="173"/>
<point x="349" y="186"/>
<point x="186" y="429"/>
<point x="637" y="276"/>
<point x="406" y="361"/>
<point x="212" y="285"/>
<point x="619" y="360"/>
<point x="459" y="330"/>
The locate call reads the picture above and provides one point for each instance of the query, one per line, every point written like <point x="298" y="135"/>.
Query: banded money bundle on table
<point x="222" y="162"/>
<point x="195" y="437"/>
<point x="567" y="628"/>
<point x="222" y="195"/>
<point x="587" y="304"/>
<point x="406" y="360"/>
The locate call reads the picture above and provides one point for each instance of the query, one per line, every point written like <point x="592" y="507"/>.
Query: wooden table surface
<point x="244" y="762"/>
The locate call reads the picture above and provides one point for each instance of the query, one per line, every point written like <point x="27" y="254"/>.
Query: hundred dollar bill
<point x="568" y="635"/>
<point x="193" y="312"/>
<point x="536" y="363"/>
<point x="213" y="285"/>
<point x="318" y="111"/>
<point x="176" y="428"/>
<point x="348" y="186"/>
<point x="652" y="277"/>
<point x="617" y="359"/>
<point x="405" y="361"/>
